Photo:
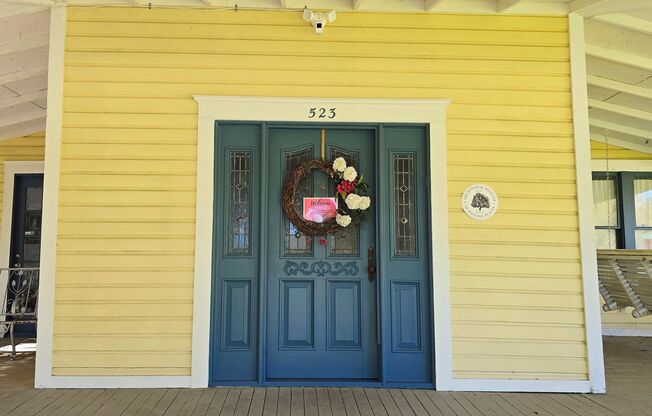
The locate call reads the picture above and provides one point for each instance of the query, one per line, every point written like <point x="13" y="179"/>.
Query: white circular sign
<point x="479" y="201"/>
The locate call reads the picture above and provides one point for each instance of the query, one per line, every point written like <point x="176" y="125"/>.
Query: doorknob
<point x="371" y="264"/>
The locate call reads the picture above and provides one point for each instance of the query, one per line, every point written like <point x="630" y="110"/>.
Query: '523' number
<point x="322" y="112"/>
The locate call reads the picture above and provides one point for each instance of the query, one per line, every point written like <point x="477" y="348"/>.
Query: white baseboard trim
<point x="113" y="382"/>
<point x="620" y="332"/>
<point x="521" y="386"/>
<point x="488" y="385"/>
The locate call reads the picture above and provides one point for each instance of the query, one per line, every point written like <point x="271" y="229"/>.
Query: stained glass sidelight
<point x="345" y="242"/>
<point x="240" y="203"/>
<point x="295" y="242"/>
<point x="404" y="202"/>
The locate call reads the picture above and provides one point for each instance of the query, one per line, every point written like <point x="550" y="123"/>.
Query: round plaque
<point x="479" y="201"/>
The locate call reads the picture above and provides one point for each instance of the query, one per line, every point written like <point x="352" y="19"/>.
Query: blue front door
<point x="321" y="300"/>
<point x="289" y="308"/>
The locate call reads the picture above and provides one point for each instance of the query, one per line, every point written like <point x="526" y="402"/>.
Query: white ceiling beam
<point x="620" y="109"/>
<point x="620" y="57"/>
<point x="504" y="5"/>
<point x="590" y="8"/>
<point x="13" y="9"/>
<point x="23" y="129"/>
<point x="20" y="114"/>
<point x="639" y="147"/>
<point x="24" y="74"/>
<point x="431" y="5"/>
<point x="21" y="99"/>
<point x="619" y="86"/>
<point x="616" y="127"/>
<point x="23" y="45"/>
<point x="46" y="3"/>
<point x="626" y="22"/>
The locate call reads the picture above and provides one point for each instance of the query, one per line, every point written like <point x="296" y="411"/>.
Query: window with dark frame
<point x="622" y="204"/>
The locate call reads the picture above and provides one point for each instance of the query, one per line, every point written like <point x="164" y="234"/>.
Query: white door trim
<point x="12" y="168"/>
<point x="430" y="112"/>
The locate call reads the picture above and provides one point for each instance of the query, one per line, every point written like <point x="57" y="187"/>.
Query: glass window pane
<point x="643" y="239"/>
<point x="605" y="206"/>
<point x="239" y="199"/>
<point x="605" y="239"/>
<point x="296" y="243"/>
<point x="643" y="202"/>
<point x="405" y="237"/>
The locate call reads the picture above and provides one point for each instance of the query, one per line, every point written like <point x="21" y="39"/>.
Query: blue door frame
<point x="239" y="279"/>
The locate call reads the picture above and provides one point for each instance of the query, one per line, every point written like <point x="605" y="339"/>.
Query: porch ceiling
<point x="24" y="34"/>
<point x="619" y="66"/>
<point x="618" y="35"/>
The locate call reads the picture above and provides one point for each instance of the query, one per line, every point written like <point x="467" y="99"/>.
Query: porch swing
<point x="625" y="276"/>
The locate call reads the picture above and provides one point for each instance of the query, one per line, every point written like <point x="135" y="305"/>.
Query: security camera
<point x="318" y="20"/>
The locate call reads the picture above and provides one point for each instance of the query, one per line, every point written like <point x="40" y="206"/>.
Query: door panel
<point x="405" y="268"/>
<point x="236" y="254"/>
<point x="326" y="304"/>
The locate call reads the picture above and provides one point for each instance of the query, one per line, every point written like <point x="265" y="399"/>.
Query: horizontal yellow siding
<point x="28" y="148"/>
<point x="127" y="198"/>
<point x="621" y="320"/>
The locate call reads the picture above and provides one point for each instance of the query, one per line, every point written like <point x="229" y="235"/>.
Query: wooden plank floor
<point x="629" y="383"/>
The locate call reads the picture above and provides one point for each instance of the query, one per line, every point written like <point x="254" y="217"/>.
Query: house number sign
<point x="322" y="112"/>
<point x="480" y="201"/>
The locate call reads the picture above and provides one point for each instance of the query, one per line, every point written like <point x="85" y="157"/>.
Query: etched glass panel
<point x="239" y="203"/>
<point x="295" y="242"/>
<point x="345" y="242"/>
<point x="404" y="200"/>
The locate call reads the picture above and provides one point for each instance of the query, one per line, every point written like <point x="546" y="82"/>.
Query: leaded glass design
<point x="345" y="242"/>
<point x="404" y="202"/>
<point x="295" y="242"/>
<point x="239" y="203"/>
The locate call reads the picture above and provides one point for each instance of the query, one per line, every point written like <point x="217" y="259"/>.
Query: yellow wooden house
<point x="173" y="127"/>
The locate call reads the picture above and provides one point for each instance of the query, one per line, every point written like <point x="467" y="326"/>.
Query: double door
<point x="292" y="308"/>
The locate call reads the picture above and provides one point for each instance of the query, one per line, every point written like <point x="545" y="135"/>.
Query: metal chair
<point x="20" y="303"/>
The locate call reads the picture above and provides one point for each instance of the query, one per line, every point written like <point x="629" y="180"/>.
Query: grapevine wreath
<point x="352" y="196"/>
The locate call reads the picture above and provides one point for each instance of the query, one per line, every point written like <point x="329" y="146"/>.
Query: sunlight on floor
<point x="22" y="347"/>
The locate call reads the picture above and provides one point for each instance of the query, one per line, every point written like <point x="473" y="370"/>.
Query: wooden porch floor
<point x="629" y="382"/>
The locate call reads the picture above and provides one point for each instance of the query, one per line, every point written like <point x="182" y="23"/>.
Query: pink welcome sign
<point x="319" y="209"/>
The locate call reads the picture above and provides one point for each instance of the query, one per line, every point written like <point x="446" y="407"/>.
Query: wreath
<point x="353" y="200"/>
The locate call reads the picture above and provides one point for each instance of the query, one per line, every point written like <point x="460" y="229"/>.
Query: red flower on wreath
<point x="346" y="187"/>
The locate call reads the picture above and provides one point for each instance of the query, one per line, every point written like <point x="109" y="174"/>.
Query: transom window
<point x="622" y="204"/>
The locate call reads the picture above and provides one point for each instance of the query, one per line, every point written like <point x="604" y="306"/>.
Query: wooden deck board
<point x="257" y="402"/>
<point x="218" y="402"/>
<point x="628" y="384"/>
<point x="244" y="402"/>
<point x="375" y="402"/>
<point x="364" y="407"/>
<point x="390" y="406"/>
<point x="204" y="401"/>
<point x="271" y="401"/>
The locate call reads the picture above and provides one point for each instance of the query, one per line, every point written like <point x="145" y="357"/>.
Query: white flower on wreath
<point x="365" y="202"/>
<point x="343" y="220"/>
<point x="353" y="201"/>
<point x="339" y="164"/>
<point x="350" y="174"/>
